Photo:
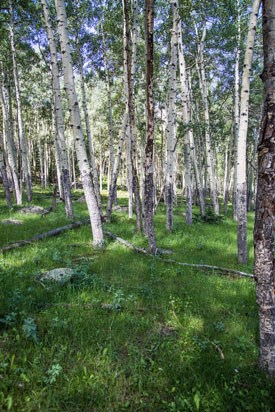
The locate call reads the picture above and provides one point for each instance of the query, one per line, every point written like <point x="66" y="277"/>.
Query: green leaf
<point x="197" y="400"/>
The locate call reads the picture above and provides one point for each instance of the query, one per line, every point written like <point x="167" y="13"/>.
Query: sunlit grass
<point x="128" y="333"/>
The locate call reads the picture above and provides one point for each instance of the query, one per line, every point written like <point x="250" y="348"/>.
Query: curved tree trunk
<point x="80" y="148"/>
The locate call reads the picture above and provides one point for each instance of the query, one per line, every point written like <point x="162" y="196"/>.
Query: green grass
<point x="129" y="333"/>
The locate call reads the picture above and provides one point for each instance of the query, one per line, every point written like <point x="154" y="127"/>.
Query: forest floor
<point x="128" y="332"/>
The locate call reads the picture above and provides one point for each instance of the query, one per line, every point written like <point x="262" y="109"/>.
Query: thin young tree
<point x="265" y="203"/>
<point x="23" y="143"/>
<point x="149" y="149"/>
<point x="171" y="126"/>
<point x="241" y="195"/>
<point x="81" y="153"/>
<point x="132" y="117"/>
<point x="60" y="142"/>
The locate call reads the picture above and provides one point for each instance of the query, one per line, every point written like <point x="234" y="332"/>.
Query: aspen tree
<point x="236" y="108"/>
<point x="60" y="142"/>
<point x="9" y="143"/>
<point x="149" y="149"/>
<point x="241" y="184"/>
<point x="3" y="173"/>
<point x="81" y="153"/>
<point x="171" y="126"/>
<point x="265" y="212"/>
<point x="21" y="132"/>
<point x="110" y="111"/>
<point x="205" y="96"/>
<point x="186" y="120"/>
<point x="89" y="134"/>
<point x="132" y="121"/>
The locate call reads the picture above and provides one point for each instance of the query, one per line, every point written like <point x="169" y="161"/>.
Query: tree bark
<point x="265" y="204"/>
<point x="186" y="115"/>
<point x="21" y="133"/>
<point x="236" y="106"/>
<point x="113" y="185"/>
<point x="9" y="143"/>
<point x="149" y="149"/>
<point x="132" y="121"/>
<point x="241" y="200"/>
<point x="205" y="99"/>
<point x="89" y="135"/>
<point x="4" y="175"/>
<point x="171" y="127"/>
<point x="81" y="153"/>
<point x="60" y="142"/>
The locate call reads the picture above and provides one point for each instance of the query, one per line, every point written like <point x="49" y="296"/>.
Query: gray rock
<point x="12" y="222"/>
<point x="59" y="275"/>
<point x="36" y="210"/>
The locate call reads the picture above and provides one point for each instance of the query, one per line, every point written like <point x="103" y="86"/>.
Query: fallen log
<point x="59" y="230"/>
<point x="50" y="233"/>
<point x="176" y="262"/>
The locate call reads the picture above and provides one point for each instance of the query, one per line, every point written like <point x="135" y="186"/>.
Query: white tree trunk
<point x="171" y="127"/>
<point x="186" y="115"/>
<point x="236" y="106"/>
<point x="205" y="96"/>
<point x="60" y="142"/>
<point x="82" y="158"/>
<point x="89" y="136"/>
<point x="21" y="133"/>
<point x="242" y="137"/>
<point x="9" y="144"/>
<point x="132" y="117"/>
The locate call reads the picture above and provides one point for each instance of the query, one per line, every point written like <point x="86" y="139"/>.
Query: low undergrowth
<point x="128" y="332"/>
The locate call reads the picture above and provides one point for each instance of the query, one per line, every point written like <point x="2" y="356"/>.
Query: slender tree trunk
<point x="114" y="177"/>
<point x="171" y="127"/>
<point x="228" y="174"/>
<point x="110" y="111"/>
<point x="236" y="107"/>
<point x="21" y="133"/>
<point x="242" y="137"/>
<point x="3" y="173"/>
<point x="205" y="97"/>
<point x="10" y="149"/>
<point x="82" y="158"/>
<point x="265" y="212"/>
<point x="89" y="135"/>
<point x="186" y="112"/>
<point x="132" y="122"/>
<point x="194" y="152"/>
<point x="60" y="142"/>
<point x="149" y="149"/>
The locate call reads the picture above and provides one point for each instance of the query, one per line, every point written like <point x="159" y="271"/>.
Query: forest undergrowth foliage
<point x="128" y="332"/>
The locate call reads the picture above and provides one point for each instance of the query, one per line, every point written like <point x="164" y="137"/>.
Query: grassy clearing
<point x="128" y="333"/>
